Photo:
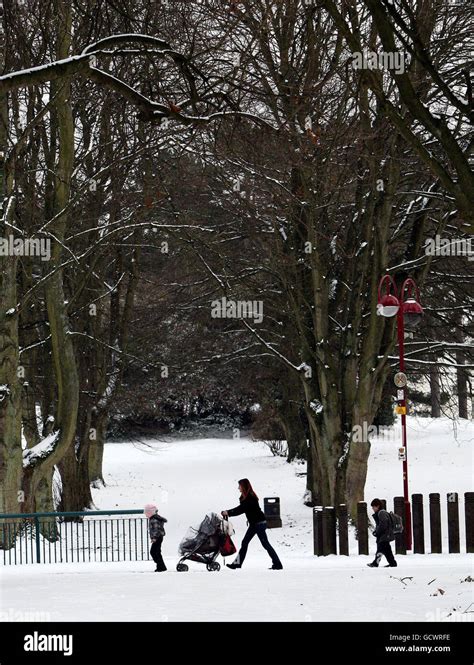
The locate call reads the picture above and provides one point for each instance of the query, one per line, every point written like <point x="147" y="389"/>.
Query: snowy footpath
<point x="187" y="479"/>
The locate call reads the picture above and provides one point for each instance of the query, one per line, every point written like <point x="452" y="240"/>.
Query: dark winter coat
<point x="383" y="526"/>
<point x="251" y="508"/>
<point x="156" y="526"/>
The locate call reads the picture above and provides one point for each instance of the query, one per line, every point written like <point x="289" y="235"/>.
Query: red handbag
<point x="227" y="547"/>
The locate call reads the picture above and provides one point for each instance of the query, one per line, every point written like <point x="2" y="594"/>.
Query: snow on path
<point x="308" y="589"/>
<point x="189" y="478"/>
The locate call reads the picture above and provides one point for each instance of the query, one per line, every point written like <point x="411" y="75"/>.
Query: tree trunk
<point x="310" y="496"/>
<point x="327" y="475"/>
<point x="96" y="450"/>
<point x="63" y="356"/>
<point x="76" y="493"/>
<point x="291" y="418"/>
<point x="435" y="392"/>
<point x="461" y="385"/>
<point x="461" y="373"/>
<point x="295" y="432"/>
<point x="11" y="458"/>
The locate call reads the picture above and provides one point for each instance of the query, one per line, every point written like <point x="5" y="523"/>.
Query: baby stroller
<point x="204" y="543"/>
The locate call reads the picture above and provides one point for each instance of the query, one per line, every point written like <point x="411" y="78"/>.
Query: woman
<point x="257" y="525"/>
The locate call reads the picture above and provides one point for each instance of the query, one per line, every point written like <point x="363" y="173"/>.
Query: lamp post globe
<point x="388" y="305"/>
<point x="412" y="313"/>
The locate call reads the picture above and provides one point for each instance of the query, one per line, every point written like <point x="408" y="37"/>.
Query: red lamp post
<point x="408" y="312"/>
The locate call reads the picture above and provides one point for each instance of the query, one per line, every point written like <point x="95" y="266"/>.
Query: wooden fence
<point x="331" y="526"/>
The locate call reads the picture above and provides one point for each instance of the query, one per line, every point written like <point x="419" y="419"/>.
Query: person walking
<point x="384" y="534"/>
<point x="156" y="527"/>
<point x="257" y="525"/>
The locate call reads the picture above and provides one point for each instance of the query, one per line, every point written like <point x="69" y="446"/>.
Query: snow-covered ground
<point x="187" y="479"/>
<point x="308" y="589"/>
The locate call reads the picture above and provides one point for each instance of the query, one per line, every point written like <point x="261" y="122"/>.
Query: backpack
<point x="397" y="523"/>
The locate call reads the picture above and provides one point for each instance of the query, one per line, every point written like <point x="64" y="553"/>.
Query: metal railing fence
<point x="70" y="537"/>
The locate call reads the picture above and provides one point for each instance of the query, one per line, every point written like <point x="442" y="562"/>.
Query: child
<point x="384" y="534"/>
<point x="157" y="531"/>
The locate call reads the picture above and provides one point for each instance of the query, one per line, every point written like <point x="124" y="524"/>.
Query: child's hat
<point x="150" y="509"/>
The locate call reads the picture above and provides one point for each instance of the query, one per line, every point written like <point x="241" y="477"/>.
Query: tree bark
<point x="11" y="459"/>
<point x="295" y="432"/>
<point x="435" y="391"/>
<point x="96" y="449"/>
<point x="461" y="385"/>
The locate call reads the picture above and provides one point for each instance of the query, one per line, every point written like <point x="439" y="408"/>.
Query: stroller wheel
<point x="213" y="566"/>
<point x="182" y="567"/>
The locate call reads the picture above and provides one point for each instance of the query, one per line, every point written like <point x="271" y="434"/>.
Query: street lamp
<point x="408" y="312"/>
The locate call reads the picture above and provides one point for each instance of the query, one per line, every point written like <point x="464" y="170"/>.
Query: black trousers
<point x="260" y="531"/>
<point x="385" y="550"/>
<point x="156" y="554"/>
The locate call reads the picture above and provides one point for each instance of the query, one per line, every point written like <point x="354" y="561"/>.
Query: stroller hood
<point x="195" y="537"/>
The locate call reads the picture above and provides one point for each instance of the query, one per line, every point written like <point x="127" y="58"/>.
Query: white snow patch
<point x="41" y="450"/>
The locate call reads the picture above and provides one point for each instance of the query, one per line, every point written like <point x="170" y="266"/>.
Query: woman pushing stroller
<point x="257" y="525"/>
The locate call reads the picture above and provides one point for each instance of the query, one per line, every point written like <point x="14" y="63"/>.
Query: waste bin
<point x="271" y="508"/>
